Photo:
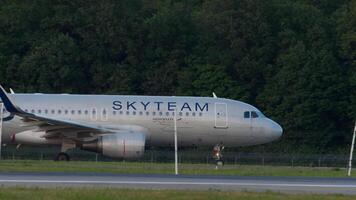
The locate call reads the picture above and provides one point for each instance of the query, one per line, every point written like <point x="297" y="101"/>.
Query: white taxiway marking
<point x="181" y="183"/>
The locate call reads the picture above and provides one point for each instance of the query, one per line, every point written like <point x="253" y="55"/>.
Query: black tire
<point x="62" y="157"/>
<point x="220" y="163"/>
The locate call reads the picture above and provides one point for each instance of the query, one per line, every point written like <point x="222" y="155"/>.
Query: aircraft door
<point x="220" y="115"/>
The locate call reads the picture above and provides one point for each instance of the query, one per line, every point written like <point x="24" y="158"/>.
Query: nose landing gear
<point x="218" y="157"/>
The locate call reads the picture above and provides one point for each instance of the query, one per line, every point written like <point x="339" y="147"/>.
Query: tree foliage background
<point x="294" y="59"/>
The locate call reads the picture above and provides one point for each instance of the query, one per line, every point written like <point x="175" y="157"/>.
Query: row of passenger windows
<point x="147" y="113"/>
<point x="93" y="112"/>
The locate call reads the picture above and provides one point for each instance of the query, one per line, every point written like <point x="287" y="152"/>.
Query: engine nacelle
<point x="118" y="145"/>
<point x="33" y="138"/>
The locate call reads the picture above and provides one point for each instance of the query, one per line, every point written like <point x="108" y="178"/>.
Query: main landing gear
<point x="218" y="157"/>
<point x="63" y="156"/>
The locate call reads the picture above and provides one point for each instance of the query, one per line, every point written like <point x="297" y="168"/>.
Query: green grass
<point x="166" y="168"/>
<point x="16" y="193"/>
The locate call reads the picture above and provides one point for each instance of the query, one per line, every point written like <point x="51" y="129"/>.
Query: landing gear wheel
<point x="220" y="163"/>
<point x="62" y="157"/>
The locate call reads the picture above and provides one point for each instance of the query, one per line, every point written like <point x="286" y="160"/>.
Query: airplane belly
<point x="189" y="133"/>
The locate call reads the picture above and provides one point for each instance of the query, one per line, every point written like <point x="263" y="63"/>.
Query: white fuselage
<point x="200" y="120"/>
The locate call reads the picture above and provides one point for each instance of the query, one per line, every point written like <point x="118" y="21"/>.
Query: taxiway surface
<point x="190" y="182"/>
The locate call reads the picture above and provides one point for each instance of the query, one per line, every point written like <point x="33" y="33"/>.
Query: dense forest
<point x="293" y="59"/>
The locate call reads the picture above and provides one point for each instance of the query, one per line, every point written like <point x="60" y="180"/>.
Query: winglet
<point x="11" y="91"/>
<point x="12" y="108"/>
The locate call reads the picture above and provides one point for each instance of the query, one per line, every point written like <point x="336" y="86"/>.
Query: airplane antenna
<point x="11" y="91"/>
<point x="214" y="95"/>
<point x="351" y="151"/>
<point x="175" y="143"/>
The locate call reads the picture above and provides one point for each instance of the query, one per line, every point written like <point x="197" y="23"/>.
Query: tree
<point x="307" y="94"/>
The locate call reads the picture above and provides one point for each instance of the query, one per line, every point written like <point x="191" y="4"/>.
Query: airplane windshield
<point x="247" y="114"/>
<point x="254" y="114"/>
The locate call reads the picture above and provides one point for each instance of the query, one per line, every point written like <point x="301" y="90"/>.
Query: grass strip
<point x="166" y="168"/>
<point x="18" y="193"/>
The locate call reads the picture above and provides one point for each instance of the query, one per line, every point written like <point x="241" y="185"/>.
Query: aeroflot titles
<point x="157" y="105"/>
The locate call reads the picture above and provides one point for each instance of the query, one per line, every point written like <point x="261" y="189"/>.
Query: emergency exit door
<point x="220" y="115"/>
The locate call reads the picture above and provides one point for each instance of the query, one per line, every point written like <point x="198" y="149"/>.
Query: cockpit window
<point x="247" y="114"/>
<point x="254" y="114"/>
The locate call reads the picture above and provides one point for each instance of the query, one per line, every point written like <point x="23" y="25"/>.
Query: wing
<point x="52" y="126"/>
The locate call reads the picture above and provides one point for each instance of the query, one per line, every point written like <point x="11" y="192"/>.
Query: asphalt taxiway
<point x="190" y="182"/>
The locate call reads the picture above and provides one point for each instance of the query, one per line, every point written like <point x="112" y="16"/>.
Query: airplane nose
<point x="276" y="130"/>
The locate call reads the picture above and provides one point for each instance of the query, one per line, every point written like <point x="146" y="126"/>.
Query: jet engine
<point x="118" y="145"/>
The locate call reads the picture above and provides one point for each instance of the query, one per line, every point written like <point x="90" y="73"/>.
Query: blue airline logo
<point x="158" y="105"/>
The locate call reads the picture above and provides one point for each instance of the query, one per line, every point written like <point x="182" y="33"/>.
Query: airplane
<point x="121" y="126"/>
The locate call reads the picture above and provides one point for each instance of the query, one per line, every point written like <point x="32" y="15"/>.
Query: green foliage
<point x="293" y="59"/>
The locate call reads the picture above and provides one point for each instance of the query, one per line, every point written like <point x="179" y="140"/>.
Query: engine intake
<point x="118" y="145"/>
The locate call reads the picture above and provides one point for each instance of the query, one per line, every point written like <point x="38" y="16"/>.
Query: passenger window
<point x="254" y="114"/>
<point x="247" y="114"/>
<point x="104" y="116"/>
<point x="93" y="115"/>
